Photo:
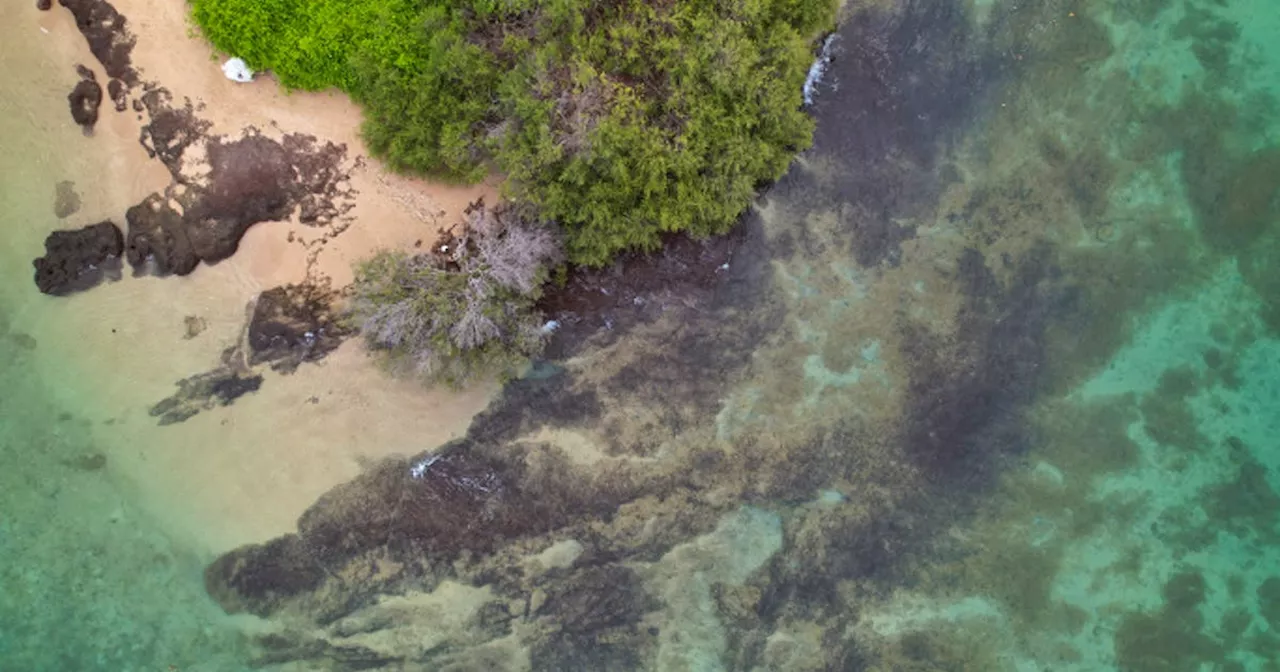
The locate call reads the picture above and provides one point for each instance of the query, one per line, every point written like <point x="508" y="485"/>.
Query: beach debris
<point x="79" y="259"/>
<point x="237" y="70"/>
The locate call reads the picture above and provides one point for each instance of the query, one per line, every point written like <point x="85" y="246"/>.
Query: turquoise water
<point x="992" y="382"/>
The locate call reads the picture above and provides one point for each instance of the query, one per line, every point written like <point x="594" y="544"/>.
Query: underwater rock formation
<point x="285" y="326"/>
<point x="440" y="504"/>
<point x="293" y="324"/>
<point x="79" y="259"/>
<point x="204" y="391"/>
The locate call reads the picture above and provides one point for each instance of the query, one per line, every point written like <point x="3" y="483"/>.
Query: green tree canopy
<point x="619" y="120"/>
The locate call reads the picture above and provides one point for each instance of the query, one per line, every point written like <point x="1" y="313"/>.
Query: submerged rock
<point x="204" y="391"/>
<point x="254" y="578"/>
<point x="79" y="259"/>
<point x="66" y="201"/>
<point x="437" y="505"/>
<point x="291" y="325"/>
<point x="285" y="326"/>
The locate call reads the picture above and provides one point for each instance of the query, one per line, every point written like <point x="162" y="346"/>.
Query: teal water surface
<point x="993" y="383"/>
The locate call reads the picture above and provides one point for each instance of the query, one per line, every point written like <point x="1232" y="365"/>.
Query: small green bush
<point x="618" y="119"/>
<point x="463" y="311"/>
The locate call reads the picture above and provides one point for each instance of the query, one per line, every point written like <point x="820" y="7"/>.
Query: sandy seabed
<point x="241" y="473"/>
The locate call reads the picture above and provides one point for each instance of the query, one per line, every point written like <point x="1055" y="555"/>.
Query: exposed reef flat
<point x="858" y="433"/>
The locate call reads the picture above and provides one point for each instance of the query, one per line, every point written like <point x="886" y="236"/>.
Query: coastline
<point x="973" y="383"/>
<point x="244" y="472"/>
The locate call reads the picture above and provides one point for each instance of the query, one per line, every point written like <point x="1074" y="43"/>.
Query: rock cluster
<point x="79" y="259"/>
<point x="84" y="99"/>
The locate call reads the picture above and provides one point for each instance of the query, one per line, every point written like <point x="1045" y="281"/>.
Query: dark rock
<point x="158" y="237"/>
<point x="298" y="648"/>
<point x="93" y="461"/>
<point x="251" y="180"/>
<point x="201" y="392"/>
<point x="291" y="325"/>
<point x="254" y="578"/>
<point x="434" y="506"/>
<point x="84" y="100"/>
<point x="285" y="327"/>
<point x="107" y="32"/>
<point x="44" y="5"/>
<point x="116" y="90"/>
<point x="596" y="612"/>
<point x="194" y="325"/>
<point x="79" y="259"/>
<point x="23" y="341"/>
<point x="170" y="130"/>
<point x="442" y="504"/>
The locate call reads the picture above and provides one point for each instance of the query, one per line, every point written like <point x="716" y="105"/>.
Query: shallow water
<point x="991" y="381"/>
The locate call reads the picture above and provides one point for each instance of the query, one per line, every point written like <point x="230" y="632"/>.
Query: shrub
<point x="618" y="119"/>
<point x="463" y="310"/>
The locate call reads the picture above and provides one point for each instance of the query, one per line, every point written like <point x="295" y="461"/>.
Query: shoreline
<point x="239" y="474"/>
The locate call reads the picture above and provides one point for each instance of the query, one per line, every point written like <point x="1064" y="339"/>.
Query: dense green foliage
<point x="618" y="119"/>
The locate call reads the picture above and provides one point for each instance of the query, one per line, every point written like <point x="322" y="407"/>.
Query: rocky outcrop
<point x="158" y="238"/>
<point x="84" y="100"/>
<point x="107" y="32"/>
<point x="440" y="504"/>
<point x="79" y="259"/>
<point x="291" y="325"/>
<point x="250" y="180"/>
<point x="285" y="326"/>
<point x="118" y="93"/>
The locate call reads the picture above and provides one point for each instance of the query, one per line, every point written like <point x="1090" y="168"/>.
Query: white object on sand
<point x="237" y="70"/>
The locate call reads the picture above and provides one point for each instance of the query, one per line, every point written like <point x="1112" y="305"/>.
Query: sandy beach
<point x="244" y="472"/>
<point x="987" y="381"/>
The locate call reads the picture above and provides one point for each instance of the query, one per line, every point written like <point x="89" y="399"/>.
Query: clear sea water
<point x="1008" y="398"/>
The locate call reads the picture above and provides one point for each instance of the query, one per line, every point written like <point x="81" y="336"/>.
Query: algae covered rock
<point x="79" y="259"/>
